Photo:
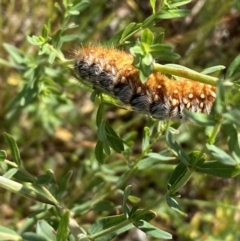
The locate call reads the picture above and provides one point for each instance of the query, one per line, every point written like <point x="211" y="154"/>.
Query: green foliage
<point x="80" y="178"/>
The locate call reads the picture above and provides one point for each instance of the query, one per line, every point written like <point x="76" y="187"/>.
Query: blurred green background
<point x="56" y="130"/>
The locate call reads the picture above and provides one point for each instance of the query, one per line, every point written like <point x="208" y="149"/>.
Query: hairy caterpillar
<point x="111" y="70"/>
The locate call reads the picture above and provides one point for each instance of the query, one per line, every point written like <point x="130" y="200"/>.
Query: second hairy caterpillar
<point x="111" y="71"/>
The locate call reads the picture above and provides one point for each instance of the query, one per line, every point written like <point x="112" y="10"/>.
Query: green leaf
<point x="147" y="36"/>
<point x="108" y="222"/>
<point x="132" y="27"/>
<point x="3" y="155"/>
<point x="159" y="37"/>
<point x="45" y="230"/>
<point x="15" y="53"/>
<point x="104" y="206"/>
<point x="234" y="67"/>
<point x="153" y="5"/>
<point x="35" y="40"/>
<point x="153" y="159"/>
<point x="232" y="117"/>
<point x="218" y="169"/>
<point x="148" y="61"/>
<point x="133" y="199"/>
<point x="200" y="118"/>
<point x="45" y="31"/>
<point x="146" y="138"/>
<point x="99" y="116"/>
<point x="52" y="57"/>
<point x="113" y="139"/>
<point x="10" y="173"/>
<point x="213" y="69"/>
<point x="8" y="234"/>
<point x="176" y="176"/>
<point x="165" y="55"/>
<point x="152" y="230"/>
<point x="231" y="134"/>
<point x="172" y="203"/>
<point x="173" y="13"/>
<point x="44" y="179"/>
<point x="176" y="148"/>
<point x="14" y="149"/>
<point x="99" y="152"/>
<point x="77" y="8"/>
<point x="141" y="214"/>
<point x="102" y="135"/>
<point x="221" y="155"/>
<point x="63" y="185"/>
<point x="177" y="3"/>
<point x="62" y="232"/>
<point x="106" y="148"/>
<point x="30" y="236"/>
<point x="126" y="208"/>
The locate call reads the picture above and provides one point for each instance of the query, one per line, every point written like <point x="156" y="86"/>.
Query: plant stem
<point x="189" y="74"/>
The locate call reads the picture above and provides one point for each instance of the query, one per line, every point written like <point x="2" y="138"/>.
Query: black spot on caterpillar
<point x="111" y="71"/>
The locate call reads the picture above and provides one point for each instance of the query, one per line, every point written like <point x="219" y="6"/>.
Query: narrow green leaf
<point x="113" y="139"/>
<point x="178" y="173"/>
<point x="200" y="118"/>
<point x="14" y="149"/>
<point x="126" y="208"/>
<point x="213" y="69"/>
<point x="152" y="230"/>
<point x="99" y="152"/>
<point x="153" y="5"/>
<point x="77" y="8"/>
<point x="104" y="206"/>
<point x="177" y="3"/>
<point x="62" y="231"/>
<point x="35" y="40"/>
<point x="8" y="234"/>
<point x="232" y="117"/>
<point x="176" y="148"/>
<point x="133" y="199"/>
<point x="63" y="185"/>
<point x="45" y="230"/>
<point x="160" y="37"/>
<point x="102" y="135"/>
<point x="15" y="53"/>
<point x="146" y="138"/>
<point x="173" y="13"/>
<point x="99" y="116"/>
<point x="218" y="169"/>
<point x="153" y="159"/>
<point x="106" y="148"/>
<point x="234" y="67"/>
<point x="44" y="179"/>
<point x="165" y="55"/>
<point x="45" y="31"/>
<point x="141" y="214"/>
<point x="172" y="203"/>
<point x="106" y="222"/>
<point x="147" y="36"/>
<point x="148" y="60"/>
<point x="3" y="155"/>
<point x="129" y="29"/>
<point x="30" y="236"/>
<point x="158" y="48"/>
<point x="221" y="155"/>
<point x="231" y="134"/>
<point x="10" y="173"/>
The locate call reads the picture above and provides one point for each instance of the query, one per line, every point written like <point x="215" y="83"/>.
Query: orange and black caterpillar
<point x="111" y="71"/>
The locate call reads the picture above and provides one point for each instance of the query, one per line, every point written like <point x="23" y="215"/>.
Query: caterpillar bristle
<point x="111" y="70"/>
